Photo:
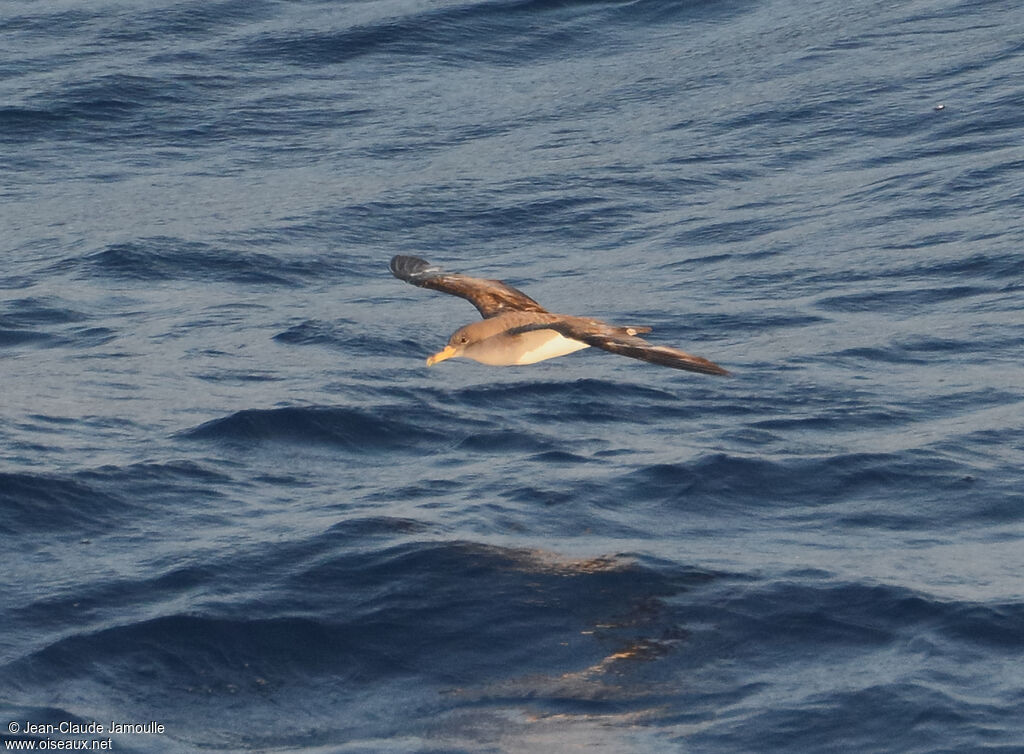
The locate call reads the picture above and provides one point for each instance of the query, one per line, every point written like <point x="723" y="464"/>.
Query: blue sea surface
<point x="236" y="504"/>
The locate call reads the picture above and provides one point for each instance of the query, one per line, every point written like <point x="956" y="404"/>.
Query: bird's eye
<point x="463" y="339"/>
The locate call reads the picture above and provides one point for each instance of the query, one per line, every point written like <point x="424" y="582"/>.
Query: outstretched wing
<point x="490" y="297"/>
<point x="623" y="341"/>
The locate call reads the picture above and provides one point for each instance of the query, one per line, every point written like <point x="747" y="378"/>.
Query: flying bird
<point x="515" y="329"/>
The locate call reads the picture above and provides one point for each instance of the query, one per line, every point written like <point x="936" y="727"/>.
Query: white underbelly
<point x="547" y="344"/>
<point x="525" y="348"/>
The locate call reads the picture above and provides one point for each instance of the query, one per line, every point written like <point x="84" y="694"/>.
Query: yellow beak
<point x="442" y="355"/>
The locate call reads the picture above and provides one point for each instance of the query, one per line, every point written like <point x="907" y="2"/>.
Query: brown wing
<point x="490" y="297"/>
<point x="623" y="341"/>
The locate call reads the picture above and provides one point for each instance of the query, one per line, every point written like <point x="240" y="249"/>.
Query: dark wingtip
<point x="404" y="267"/>
<point x="698" y="364"/>
<point x="710" y="367"/>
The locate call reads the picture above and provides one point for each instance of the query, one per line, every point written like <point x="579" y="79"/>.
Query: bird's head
<point x="456" y="346"/>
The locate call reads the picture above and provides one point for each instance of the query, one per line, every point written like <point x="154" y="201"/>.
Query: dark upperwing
<point x="490" y="297"/>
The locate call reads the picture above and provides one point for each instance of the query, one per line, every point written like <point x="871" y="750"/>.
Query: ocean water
<point x="238" y="510"/>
